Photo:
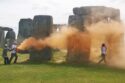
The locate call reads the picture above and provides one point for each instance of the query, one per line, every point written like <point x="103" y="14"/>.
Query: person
<point x="4" y="54"/>
<point x="103" y="53"/>
<point x="108" y="19"/>
<point x="13" y="53"/>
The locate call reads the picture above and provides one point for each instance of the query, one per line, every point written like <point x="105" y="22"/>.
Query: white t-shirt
<point x="13" y="48"/>
<point x="103" y="49"/>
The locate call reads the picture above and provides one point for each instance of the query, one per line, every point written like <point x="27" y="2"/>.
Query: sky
<point x="11" y="11"/>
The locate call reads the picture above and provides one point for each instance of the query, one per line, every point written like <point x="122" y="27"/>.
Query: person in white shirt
<point x="103" y="53"/>
<point x="14" y="53"/>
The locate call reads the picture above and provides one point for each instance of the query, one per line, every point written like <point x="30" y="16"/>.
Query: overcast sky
<point x="12" y="10"/>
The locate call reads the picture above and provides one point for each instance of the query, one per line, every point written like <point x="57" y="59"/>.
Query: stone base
<point x="77" y="58"/>
<point x="40" y="56"/>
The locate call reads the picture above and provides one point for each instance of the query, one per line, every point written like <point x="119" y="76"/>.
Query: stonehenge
<point x="41" y="26"/>
<point x="87" y="15"/>
<point x="7" y="38"/>
<point x="25" y="29"/>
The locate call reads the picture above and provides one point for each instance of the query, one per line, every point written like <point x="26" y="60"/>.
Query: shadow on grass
<point x="85" y="66"/>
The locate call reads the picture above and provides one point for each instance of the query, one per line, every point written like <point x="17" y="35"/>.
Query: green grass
<point x="58" y="73"/>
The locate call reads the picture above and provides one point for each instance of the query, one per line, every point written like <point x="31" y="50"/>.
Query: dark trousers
<point x="6" y="60"/>
<point x="12" y="56"/>
<point x="103" y="58"/>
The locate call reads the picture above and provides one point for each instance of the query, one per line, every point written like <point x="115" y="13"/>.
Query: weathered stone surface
<point x="81" y="57"/>
<point x="97" y="11"/>
<point x="78" y="47"/>
<point x="10" y="37"/>
<point x="25" y="29"/>
<point x="40" y="56"/>
<point x="76" y="21"/>
<point x="92" y="14"/>
<point x="6" y="29"/>
<point x="85" y="16"/>
<point x="42" y="27"/>
<point x="1" y="37"/>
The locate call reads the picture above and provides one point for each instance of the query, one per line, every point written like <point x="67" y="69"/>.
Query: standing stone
<point x="96" y="10"/>
<point x="42" y="27"/>
<point x="10" y="37"/>
<point x="85" y="16"/>
<point x="7" y="38"/>
<point x="76" y="21"/>
<point x="78" y="46"/>
<point x="25" y="29"/>
<point x="1" y="37"/>
<point x="11" y="34"/>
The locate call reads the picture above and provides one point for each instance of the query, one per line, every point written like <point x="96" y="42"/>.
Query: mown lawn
<point x="50" y="72"/>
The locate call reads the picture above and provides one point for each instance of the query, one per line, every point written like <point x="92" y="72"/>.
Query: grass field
<point x="50" y="72"/>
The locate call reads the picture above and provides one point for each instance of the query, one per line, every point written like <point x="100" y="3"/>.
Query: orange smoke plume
<point x="112" y="34"/>
<point x="79" y="42"/>
<point x="55" y="40"/>
<point x="59" y="39"/>
<point x="32" y="42"/>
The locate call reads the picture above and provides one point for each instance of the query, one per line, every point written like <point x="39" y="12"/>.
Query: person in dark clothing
<point x="4" y="54"/>
<point x="103" y="53"/>
<point x="13" y="53"/>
